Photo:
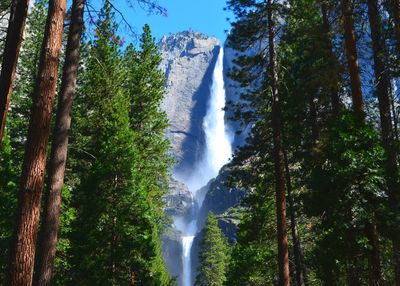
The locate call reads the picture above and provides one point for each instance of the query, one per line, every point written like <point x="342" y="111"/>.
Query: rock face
<point x="172" y="249"/>
<point x="188" y="60"/>
<point x="219" y="199"/>
<point x="179" y="201"/>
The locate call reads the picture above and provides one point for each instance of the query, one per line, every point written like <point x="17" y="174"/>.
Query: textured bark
<point x="382" y="92"/>
<point x="16" y="26"/>
<point x="301" y="271"/>
<point x="50" y="226"/>
<point x="352" y="57"/>
<point x="31" y="184"/>
<point x="334" y="90"/>
<point x="283" y="253"/>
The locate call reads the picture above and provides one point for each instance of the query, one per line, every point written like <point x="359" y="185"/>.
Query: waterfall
<point x="217" y="153"/>
<point x="187" y="242"/>
<point x="218" y="147"/>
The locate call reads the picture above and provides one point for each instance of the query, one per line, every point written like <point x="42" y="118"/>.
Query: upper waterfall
<point x="201" y="141"/>
<point x="218" y="149"/>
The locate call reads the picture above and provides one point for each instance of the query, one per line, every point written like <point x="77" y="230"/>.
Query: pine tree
<point x="145" y="85"/>
<point x="17" y="126"/>
<point x="213" y="255"/>
<point x="254" y="19"/>
<point x="382" y="81"/>
<point x="116" y="234"/>
<point x="31" y="183"/>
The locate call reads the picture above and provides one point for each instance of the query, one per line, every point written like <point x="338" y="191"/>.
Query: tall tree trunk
<point x="16" y="26"/>
<point x="374" y="261"/>
<point x="50" y="225"/>
<point x="283" y="253"/>
<point x="31" y="184"/>
<point x="382" y="92"/>
<point x="334" y="90"/>
<point x="352" y="253"/>
<point x="301" y="271"/>
<point x="352" y="57"/>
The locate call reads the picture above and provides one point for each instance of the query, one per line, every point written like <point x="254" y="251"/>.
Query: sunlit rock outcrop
<point x="188" y="61"/>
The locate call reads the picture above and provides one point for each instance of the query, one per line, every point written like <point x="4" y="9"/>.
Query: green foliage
<point x="118" y="161"/>
<point x="145" y="85"/>
<point x="62" y="263"/>
<point x="253" y="260"/>
<point x="120" y="154"/>
<point x="8" y="201"/>
<point x="335" y="159"/>
<point x="346" y="192"/>
<point x="213" y="256"/>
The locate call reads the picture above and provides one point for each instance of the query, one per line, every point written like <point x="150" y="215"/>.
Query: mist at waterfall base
<point x="217" y="152"/>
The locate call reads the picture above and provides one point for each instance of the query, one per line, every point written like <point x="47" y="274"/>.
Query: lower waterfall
<point x="187" y="242"/>
<point x="217" y="153"/>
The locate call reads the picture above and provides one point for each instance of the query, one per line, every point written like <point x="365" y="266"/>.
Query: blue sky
<point x="205" y="16"/>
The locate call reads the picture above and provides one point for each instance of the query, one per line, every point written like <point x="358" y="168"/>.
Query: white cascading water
<point x="218" y="139"/>
<point x="217" y="153"/>
<point x="187" y="242"/>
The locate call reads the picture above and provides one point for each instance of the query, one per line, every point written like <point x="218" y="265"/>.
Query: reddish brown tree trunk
<point x="301" y="271"/>
<point x="50" y="225"/>
<point x="283" y="253"/>
<point x="332" y="61"/>
<point x="382" y="92"/>
<point x="31" y="184"/>
<point x="372" y="237"/>
<point x="352" y="57"/>
<point x="16" y="26"/>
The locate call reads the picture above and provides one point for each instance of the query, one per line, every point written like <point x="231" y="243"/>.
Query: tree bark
<point x="374" y="261"/>
<point x="283" y="253"/>
<point x="50" y="225"/>
<point x="382" y="91"/>
<point x="301" y="271"/>
<point x="31" y="184"/>
<point x="334" y="90"/>
<point x="352" y="252"/>
<point x="15" y="31"/>
<point x="352" y="57"/>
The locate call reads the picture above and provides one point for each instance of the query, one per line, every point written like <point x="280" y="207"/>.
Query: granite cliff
<point x="189" y="60"/>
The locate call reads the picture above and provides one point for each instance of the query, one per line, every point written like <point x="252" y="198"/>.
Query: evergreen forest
<point x="86" y="163"/>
